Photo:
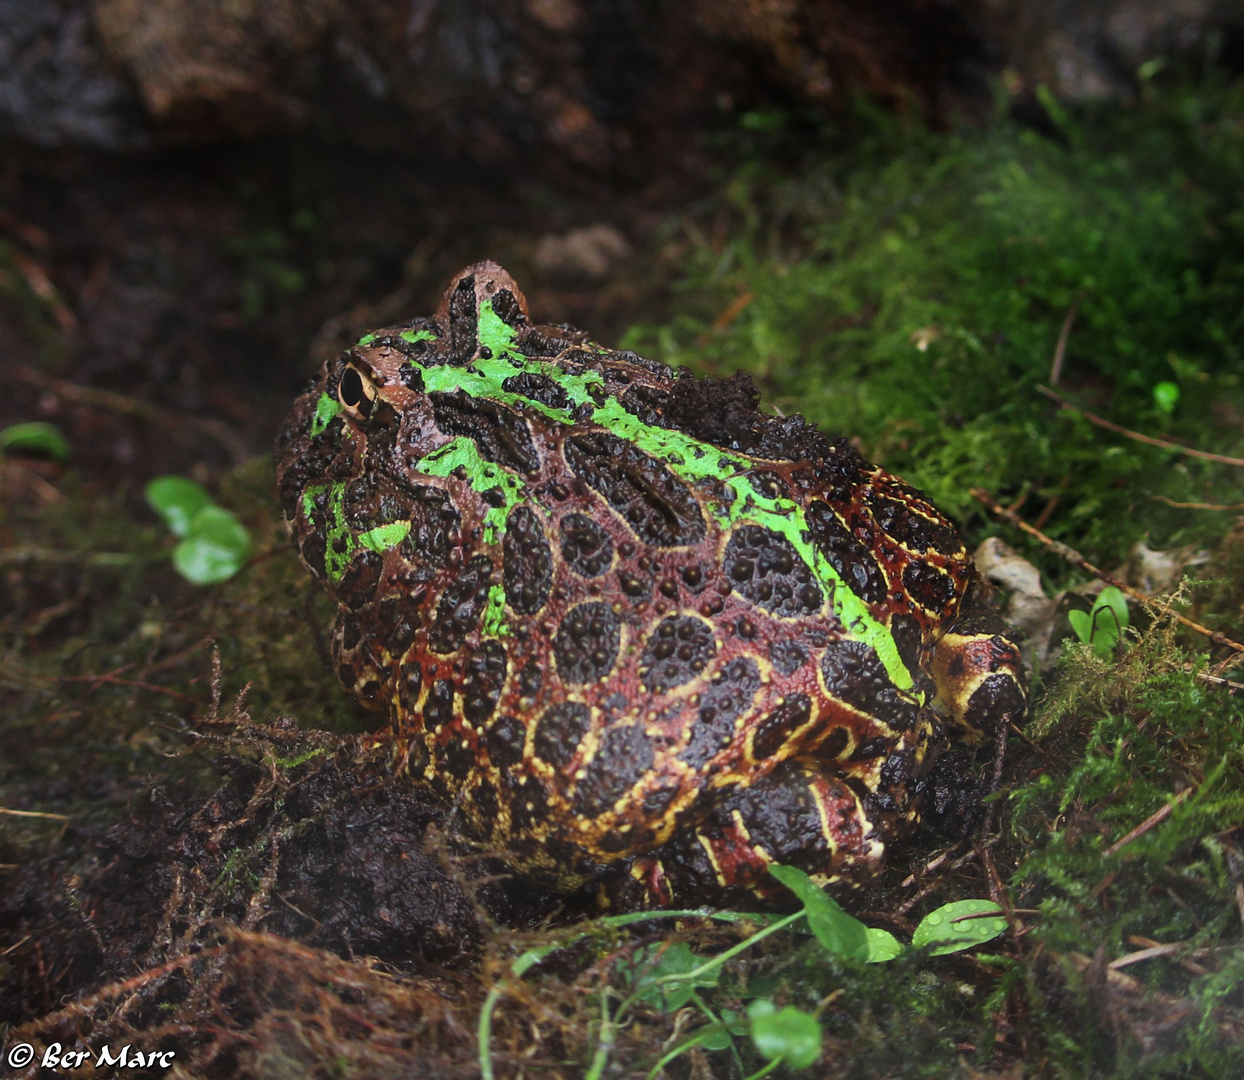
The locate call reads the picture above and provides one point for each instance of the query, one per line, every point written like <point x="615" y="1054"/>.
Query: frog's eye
<point x="356" y="391"/>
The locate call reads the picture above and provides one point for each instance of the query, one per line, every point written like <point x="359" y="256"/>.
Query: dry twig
<point x="1076" y="559"/>
<point x="1152" y="820"/>
<point x="1166" y="444"/>
<point x="111" y="401"/>
<point x="1060" y="350"/>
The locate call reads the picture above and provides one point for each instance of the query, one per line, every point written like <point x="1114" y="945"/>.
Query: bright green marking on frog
<point x="325" y="409"/>
<point x="367" y="339"/>
<point x="462" y="453"/>
<point x="493" y="622"/>
<point x="378" y="539"/>
<point x="416" y="335"/>
<point x="383" y="537"/>
<point x="335" y="562"/>
<point x="689" y="459"/>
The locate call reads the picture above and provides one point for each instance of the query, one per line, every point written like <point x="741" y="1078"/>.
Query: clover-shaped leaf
<point x="215" y="547"/>
<point x="787" y="1033"/>
<point x="176" y="499"/>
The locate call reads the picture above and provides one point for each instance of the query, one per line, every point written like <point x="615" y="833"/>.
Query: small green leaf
<point x="176" y="500"/>
<point x="35" y="437"/>
<point x="952" y="927"/>
<point x="715" y="1040"/>
<point x="836" y="931"/>
<point x="788" y="1033"/>
<point x="1166" y="396"/>
<point x="1081" y="624"/>
<point x="1113" y="600"/>
<point x="650" y="975"/>
<point x="882" y="945"/>
<point x="215" y="548"/>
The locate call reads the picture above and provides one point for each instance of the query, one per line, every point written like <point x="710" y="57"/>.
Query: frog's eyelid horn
<point x="356" y="391"/>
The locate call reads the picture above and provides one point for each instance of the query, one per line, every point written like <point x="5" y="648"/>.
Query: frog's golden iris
<point x="619" y="616"/>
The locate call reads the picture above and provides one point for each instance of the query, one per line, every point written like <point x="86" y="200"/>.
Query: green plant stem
<point x="732" y="952"/>
<point x="605" y="1042"/>
<point x="767" y="1069"/>
<point x="680" y="1049"/>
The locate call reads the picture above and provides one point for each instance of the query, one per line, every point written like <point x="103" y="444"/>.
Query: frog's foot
<point x="979" y="678"/>
<point x="797" y="815"/>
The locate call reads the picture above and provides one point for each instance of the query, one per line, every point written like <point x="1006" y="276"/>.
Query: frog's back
<point x="596" y="596"/>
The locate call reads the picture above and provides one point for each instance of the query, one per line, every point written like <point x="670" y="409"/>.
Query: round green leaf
<point x="958" y="926"/>
<point x="36" y="437"/>
<point x="882" y="945"/>
<point x="215" y="549"/>
<point x="1166" y="396"/>
<point x="176" y="500"/>
<point x="788" y="1033"/>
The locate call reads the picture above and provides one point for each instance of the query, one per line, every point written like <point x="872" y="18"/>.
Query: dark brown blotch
<point x="624" y="755"/>
<point x="461" y="605"/>
<point x="504" y="741"/>
<point x="677" y="651"/>
<point x="586" y="547"/>
<point x="586" y="643"/>
<point x="775" y="729"/>
<point x="764" y="567"/>
<point x="527" y="562"/>
<point x="499" y="433"/>
<point x="438" y="710"/>
<point x="482" y="683"/>
<point x="854" y="673"/>
<point x="559" y="731"/>
<point x="730" y="693"/>
<point x="931" y="588"/>
<point x="657" y="506"/>
<point x="914" y="530"/>
<point x="851" y="559"/>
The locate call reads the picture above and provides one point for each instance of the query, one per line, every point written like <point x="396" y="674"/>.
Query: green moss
<point x="911" y="291"/>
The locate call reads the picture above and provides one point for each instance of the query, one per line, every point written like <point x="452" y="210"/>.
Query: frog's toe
<point x="979" y="677"/>
<point x="797" y="815"/>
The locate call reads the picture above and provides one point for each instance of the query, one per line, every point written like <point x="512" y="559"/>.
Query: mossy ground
<point x="905" y="287"/>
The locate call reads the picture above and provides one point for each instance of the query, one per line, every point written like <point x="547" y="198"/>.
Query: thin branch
<point x="1166" y="444"/>
<point x="111" y="401"/>
<point x="1076" y="559"/>
<point x="1152" y="820"/>
<point x="1060" y="350"/>
<point x="85" y="1005"/>
<point x="1198" y="505"/>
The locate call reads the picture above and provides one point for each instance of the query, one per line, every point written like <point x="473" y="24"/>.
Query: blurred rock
<point x="1091" y="49"/>
<point x="55" y="89"/>
<point x="589" y="252"/>
<point x="223" y="69"/>
<point x="617" y="87"/>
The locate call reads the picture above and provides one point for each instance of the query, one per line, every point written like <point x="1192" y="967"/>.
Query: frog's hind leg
<point x="798" y="815"/>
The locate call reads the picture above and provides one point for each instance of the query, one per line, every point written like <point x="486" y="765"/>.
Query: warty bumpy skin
<point x="619" y="617"/>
